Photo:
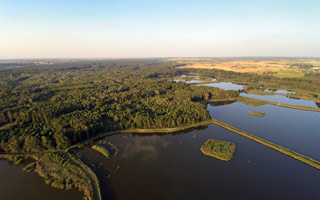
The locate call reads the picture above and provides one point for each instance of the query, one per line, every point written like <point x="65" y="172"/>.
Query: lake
<point x="224" y="85"/>
<point x="171" y="166"/>
<point x="280" y="91"/>
<point x="294" y="129"/>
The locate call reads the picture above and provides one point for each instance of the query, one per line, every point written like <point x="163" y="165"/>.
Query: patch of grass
<point x="289" y="74"/>
<point x="256" y="113"/>
<point x="251" y="101"/>
<point x="30" y="167"/>
<point x="258" y="102"/>
<point x="65" y="171"/>
<point x="219" y="149"/>
<point x="101" y="149"/>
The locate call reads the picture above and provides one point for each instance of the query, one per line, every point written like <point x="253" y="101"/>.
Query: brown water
<point x="16" y="184"/>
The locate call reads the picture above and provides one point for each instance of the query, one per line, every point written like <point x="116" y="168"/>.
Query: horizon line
<point x="151" y="57"/>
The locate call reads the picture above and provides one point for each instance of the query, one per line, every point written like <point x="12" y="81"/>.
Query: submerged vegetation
<point x="256" y="113"/>
<point x="219" y="149"/>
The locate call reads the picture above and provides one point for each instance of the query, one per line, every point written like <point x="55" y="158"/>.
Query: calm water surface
<point x="189" y="82"/>
<point x="16" y="184"/>
<point x="171" y="166"/>
<point x="295" y="129"/>
<point x="282" y="99"/>
<point x="224" y="85"/>
<point x="280" y="91"/>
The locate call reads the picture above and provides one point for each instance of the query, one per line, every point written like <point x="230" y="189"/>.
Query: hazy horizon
<point x="147" y="29"/>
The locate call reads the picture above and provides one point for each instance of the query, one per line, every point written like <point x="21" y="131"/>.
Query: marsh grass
<point x="219" y="149"/>
<point x="103" y="150"/>
<point x="256" y="113"/>
<point x="258" y="102"/>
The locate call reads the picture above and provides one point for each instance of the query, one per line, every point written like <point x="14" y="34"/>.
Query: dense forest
<point x="49" y="106"/>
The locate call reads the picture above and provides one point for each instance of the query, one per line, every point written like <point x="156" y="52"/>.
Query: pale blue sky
<point x="166" y="28"/>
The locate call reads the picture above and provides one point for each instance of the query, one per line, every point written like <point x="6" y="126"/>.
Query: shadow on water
<point x="221" y="103"/>
<point x="97" y="162"/>
<point x="186" y="131"/>
<point x="17" y="184"/>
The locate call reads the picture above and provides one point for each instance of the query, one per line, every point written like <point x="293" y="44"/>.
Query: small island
<point x="219" y="149"/>
<point x="101" y="149"/>
<point x="256" y="113"/>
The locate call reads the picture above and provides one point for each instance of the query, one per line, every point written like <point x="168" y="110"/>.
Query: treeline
<point x="58" y="105"/>
<point x="302" y="65"/>
<point x="310" y="82"/>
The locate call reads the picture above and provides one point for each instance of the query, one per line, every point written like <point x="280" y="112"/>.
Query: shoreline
<point x="283" y="150"/>
<point x="257" y="102"/>
<point x="302" y="97"/>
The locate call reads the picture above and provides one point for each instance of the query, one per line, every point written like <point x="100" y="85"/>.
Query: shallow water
<point x="188" y="82"/>
<point x="16" y="184"/>
<point x="193" y="81"/>
<point x="280" y="91"/>
<point x="282" y="99"/>
<point x="224" y="85"/>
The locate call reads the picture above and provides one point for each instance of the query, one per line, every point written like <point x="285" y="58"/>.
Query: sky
<point x="158" y="28"/>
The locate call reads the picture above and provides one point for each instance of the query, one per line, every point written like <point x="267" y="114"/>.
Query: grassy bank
<point x="156" y="130"/>
<point x="96" y="191"/>
<point x="258" y="102"/>
<point x="300" y="94"/>
<point x="295" y="155"/>
<point x="61" y="172"/>
<point x="256" y="113"/>
<point x="102" y="150"/>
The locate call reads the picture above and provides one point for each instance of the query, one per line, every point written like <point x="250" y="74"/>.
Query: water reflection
<point x="146" y="147"/>
<point x="225" y="85"/>
<point x="17" y="184"/>
<point x="282" y="99"/>
<point x="280" y="91"/>
<point x="188" y="82"/>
